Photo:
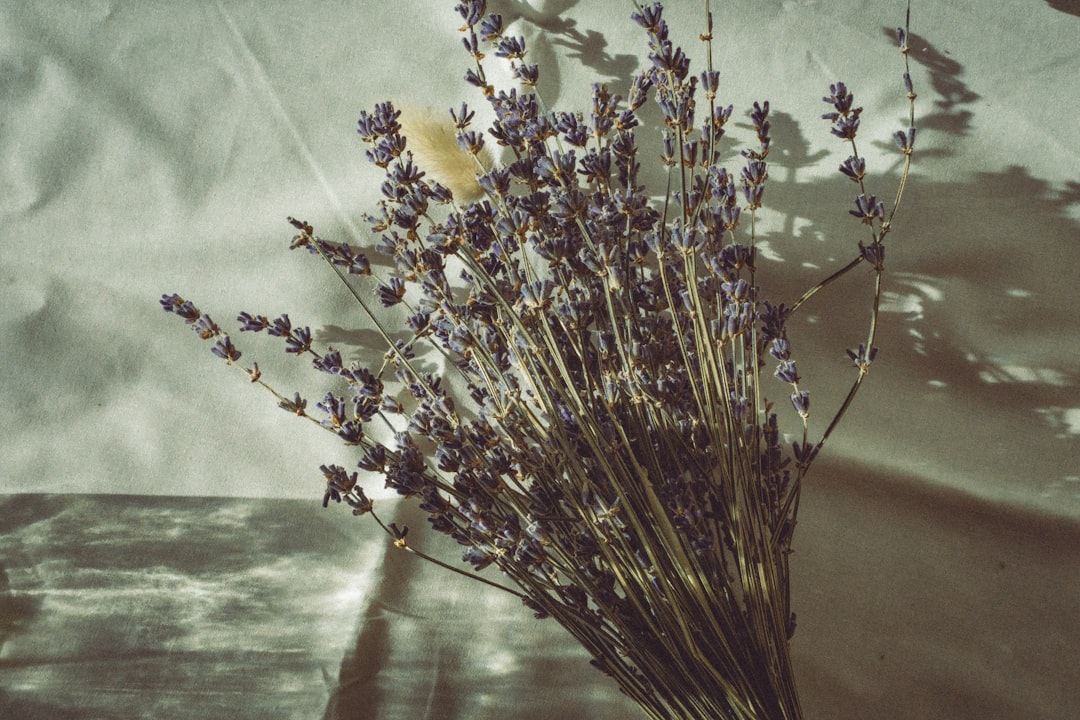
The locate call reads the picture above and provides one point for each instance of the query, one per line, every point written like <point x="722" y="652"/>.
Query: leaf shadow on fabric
<point x="1069" y="7"/>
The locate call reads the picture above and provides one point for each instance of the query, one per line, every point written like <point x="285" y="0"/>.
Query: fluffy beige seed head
<point x="433" y="142"/>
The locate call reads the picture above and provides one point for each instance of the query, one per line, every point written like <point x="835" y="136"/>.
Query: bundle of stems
<point x="601" y="431"/>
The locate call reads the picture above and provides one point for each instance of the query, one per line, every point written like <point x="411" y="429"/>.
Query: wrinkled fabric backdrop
<point x="162" y="549"/>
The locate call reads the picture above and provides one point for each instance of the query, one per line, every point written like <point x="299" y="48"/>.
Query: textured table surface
<point x="911" y="605"/>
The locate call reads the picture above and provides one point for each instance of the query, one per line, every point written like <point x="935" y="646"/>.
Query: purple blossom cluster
<point x="602" y="433"/>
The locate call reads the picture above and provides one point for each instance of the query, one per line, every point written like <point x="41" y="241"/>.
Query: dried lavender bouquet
<point x="602" y="431"/>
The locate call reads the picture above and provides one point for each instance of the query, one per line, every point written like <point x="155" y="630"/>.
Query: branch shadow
<point x="1069" y="7"/>
<point x="952" y="96"/>
<point x="549" y="27"/>
<point x="394" y="632"/>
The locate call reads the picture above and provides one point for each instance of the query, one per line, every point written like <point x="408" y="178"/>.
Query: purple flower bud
<point x="491" y="26"/>
<point x="860" y="358"/>
<point x="868" y="208"/>
<point x="351" y="432"/>
<point x="404" y="173"/>
<point x="800" y="400"/>
<point x="359" y="501"/>
<point x="528" y="74"/>
<point x="753" y="195"/>
<point x="710" y="81"/>
<point x="472" y="45"/>
<point x="471" y="11"/>
<point x="462" y="117"/>
<point x="205" y="327"/>
<point x="338" y="483"/>
<point x="905" y="141"/>
<point x="780" y="349"/>
<point x="786" y="372"/>
<point x="649" y="16"/>
<point x="393" y="293"/>
<point x="755" y="172"/>
<point x="225" y="350"/>
<point x="668" y="154"/>
<point x="496" y="182"/>
<point x="299" y="341"/>
<point x="474" y="79"/>
<point x="329" y="363"/>
<point x="639" y="91"/>
<point x="759" y="115"/>
<point x="873" y="253"/>
<point x="512" y="48"/>
<point x="296" y="405"/>
<point x="333" y="406"/>
<point x="374" y="459"/>
<point x="854" y="168"/>
<point x="840" y="98"/>
<point x="178" y="305"/>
